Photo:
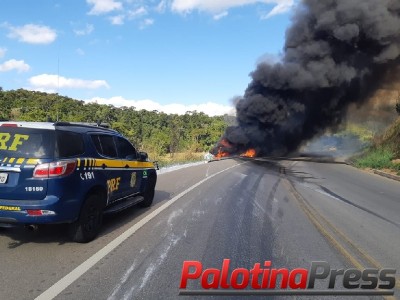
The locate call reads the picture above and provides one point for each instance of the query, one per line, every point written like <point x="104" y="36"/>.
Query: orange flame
<point x="224" y="143"/>
<point x="221" y="154"/>
<point x="249" y="153"/>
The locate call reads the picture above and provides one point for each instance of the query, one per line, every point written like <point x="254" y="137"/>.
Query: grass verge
<point x="378" y="158"/>
<point x="384" y="153"/>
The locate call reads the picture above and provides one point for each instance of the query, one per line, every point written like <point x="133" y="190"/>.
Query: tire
<point x="88" y="225"/>
<point x="149" y="192"/>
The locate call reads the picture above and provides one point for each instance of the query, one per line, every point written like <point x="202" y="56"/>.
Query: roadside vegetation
<point x="384" y="152"/>
<point x="168" y="138"/>
<point x="362" y="133"/>
<point x="179" y="158"/>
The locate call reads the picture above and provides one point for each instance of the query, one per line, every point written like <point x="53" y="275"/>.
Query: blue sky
<point x="169" y="55"/>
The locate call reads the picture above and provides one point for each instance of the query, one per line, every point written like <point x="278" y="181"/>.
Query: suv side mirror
<point x="143" y="156"/>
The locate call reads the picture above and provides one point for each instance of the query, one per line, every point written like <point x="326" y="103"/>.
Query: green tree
<point x="152" y="131"/>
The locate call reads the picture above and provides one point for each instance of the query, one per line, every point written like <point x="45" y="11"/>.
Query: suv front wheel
<point x="88" y="225"/>
<point x="149" y="192"/>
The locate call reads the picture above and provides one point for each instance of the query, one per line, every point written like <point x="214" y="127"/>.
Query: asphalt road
<point x="287" y="212"/>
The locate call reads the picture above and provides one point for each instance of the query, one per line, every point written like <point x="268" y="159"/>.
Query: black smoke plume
<point x="337" y="52"/>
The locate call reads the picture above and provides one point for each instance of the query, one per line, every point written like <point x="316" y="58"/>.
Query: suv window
<point x="105" y="145"/>
<point x="96" y="142"/>
<point x="69" y="144"/>
<point x="26" y="142"/>
<point x="125" y="149"/>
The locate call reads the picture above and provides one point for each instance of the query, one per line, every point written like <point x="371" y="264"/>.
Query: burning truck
<point x="226" y="149"/>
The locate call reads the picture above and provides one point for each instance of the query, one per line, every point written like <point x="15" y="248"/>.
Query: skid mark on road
<point x="172" y="241"/>
<point x="340" y="198"/>
<point x="122" y="282"/>
<point x="197" y="214"/>
<point x="76" y="273"/>
<point x="353" y="253"/>
<point x="259" y="207"/>
<point x="174" y="215"/>
<point x="326" y="192"/>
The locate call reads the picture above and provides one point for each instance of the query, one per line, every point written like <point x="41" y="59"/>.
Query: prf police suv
<point x="69" y="173"/>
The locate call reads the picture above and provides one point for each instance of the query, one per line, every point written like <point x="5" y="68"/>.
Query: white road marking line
<point x="71" y="277"/>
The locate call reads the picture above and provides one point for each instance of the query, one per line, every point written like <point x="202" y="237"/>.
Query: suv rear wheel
<point x="88" y="225"/>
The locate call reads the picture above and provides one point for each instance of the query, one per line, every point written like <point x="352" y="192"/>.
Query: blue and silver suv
<point x="69" y="173"/>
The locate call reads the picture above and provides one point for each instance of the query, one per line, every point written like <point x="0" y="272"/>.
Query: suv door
<point x="111" y="166"/>
<point x="131" y="178"/>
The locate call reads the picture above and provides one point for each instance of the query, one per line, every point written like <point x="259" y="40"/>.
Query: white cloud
<point x="33" y="34"/>
<point x="146" y="23"/>
<point x="85" y="31"/>
<point x="103" y="6"/>
<point x="117" y="20"/>
<point x="162" y="6"/>
<point x="220" y="15"/>
<point x="280" y="8"/>
<point x="2" y="52"/>
<point x="209" y="108"/>
<point x="136" y="13"/>
<point x="12" y="64"/>
<point x="212" y="6"/>
<point x="49" y="81"/>
<point x="131" y="14"/>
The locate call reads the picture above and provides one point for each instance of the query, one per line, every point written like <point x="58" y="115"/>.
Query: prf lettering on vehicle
<point x="9" y="143"/>
<point x="113" y="184"/>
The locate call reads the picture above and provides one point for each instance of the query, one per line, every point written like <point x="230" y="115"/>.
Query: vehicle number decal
<point x="87" y="175"/>
<point x="34" y="188"/>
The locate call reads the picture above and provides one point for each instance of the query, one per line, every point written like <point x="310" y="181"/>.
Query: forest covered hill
<point x="153" y="131"/>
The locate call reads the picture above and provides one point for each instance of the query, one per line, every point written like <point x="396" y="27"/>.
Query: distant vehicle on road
<point x="208" y="157"/>
<point x="69" y="173"/>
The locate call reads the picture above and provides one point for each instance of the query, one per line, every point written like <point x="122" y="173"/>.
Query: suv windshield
<point x="26" y="142"/>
